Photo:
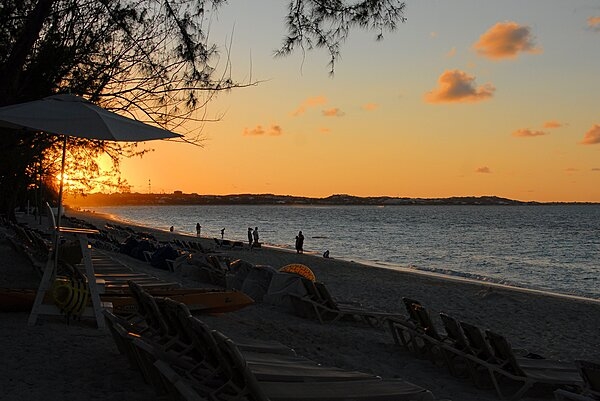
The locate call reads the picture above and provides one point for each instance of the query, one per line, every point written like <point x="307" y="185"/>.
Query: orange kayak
<point x="197" y="299"/>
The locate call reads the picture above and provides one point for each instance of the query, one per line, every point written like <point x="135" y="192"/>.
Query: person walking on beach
<point x="250" y="237"/>
<point x="300" y="242"/>
<point x="198" y="228"/>
<point x="255" y="236"/>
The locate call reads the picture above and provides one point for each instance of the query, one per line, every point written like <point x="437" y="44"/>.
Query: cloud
<point x="324" y="130"/>
<point x="333" y="112"/>
<point x="451" y="53"/>
<point x="592" y="137"/>
<point x="273" y="130"/>
<point x="457" y="86"/>
<point x="370" y="106"/>
<point x="309" y="103"/>
<point x="595" y="168"/>
<point x="553" y="124"/>
<point x="506" y="40"/>
<point x="594" y="23"/>
<point x="527" y="133"/>
<point x="571" y="170"/>
<point x="483" y="170"/>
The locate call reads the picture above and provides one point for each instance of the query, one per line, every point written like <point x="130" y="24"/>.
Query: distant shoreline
<point x="179" y="198"/>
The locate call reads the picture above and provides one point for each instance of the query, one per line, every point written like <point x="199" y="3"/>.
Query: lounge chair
<point x="509" y="375"/>
<point x="178" y="314"/>
<point x="318" y="303"/>
<point x="590" y="372"/>
<point x="244" y="382"/>
<point x="178" y="384"/>
<point x="590" y="391"/>
<point x="408" y="304"/>
<point x="478" y="345"/>
<point x="461" y="366"/>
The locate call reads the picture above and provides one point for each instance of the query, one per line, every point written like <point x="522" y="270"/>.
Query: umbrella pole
<point x="60" y="196"/>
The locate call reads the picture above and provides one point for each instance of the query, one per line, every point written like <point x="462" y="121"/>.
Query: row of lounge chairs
<point x="485" y="356"/>
<point x="225" y="243"/>
<point x="184" y="359"/>
<point x="190" y="246"/>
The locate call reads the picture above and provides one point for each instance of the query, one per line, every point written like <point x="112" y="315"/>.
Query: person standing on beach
<point x="255" y="236"/>
<point x="222" y="233"/>
<point x="250" y="237"/>
<point x="300" y="242"/>
<point x="198" y="229"/>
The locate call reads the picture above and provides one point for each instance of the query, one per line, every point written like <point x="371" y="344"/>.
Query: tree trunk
<point x="11" y="70"/>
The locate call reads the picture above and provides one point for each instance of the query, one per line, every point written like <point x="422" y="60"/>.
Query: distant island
<point x="180" y="198"/>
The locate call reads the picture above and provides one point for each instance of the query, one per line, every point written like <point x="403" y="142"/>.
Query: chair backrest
<point x="242" y="383"/>
<point x="167" y="311"/>
<point x="590" y="372"/>
<point x="325" y="295"/>
<point x="424" y="320"/>
<point x="455" y="333"/>
<point x="481" y="348"/>
<point x="312" y="291"/>
<point x="503" y="352"/>
<point x="148" y="309"/>
<point x="408" y="303"/>
<point x="204" y="344"/>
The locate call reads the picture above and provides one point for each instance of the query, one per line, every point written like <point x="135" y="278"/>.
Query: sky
<point x="466" y="98"/>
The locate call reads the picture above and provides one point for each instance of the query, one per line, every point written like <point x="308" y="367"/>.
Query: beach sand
<point x="53" y="361"/>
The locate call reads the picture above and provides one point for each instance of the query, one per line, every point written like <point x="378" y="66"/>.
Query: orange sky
<point x="464" y="99"/>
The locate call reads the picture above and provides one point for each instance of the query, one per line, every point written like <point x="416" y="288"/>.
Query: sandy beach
<point x="55" y="361"/>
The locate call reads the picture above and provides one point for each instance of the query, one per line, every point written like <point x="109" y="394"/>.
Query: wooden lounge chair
<point x="178" y="314"/>
<point x="243" y="382"/>
<point x="319" y="304"/>
<point x="289" y="369"/>
<point x="509" y="375"/>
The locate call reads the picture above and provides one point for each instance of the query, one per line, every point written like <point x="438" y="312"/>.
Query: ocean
<point x="547" y="247"/>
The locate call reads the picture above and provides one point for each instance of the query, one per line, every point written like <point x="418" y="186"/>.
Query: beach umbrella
<point x="69" y="115"/>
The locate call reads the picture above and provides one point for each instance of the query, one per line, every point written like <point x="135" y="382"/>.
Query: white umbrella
<point x="70" y="115"/>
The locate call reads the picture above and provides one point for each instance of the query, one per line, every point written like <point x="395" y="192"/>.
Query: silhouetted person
<point x="255" y="236"/>
<point x="198" y="228"/>
<point x="222" y="233"/>
<point x="300" y="242"/>
<point x="250" y="237"/>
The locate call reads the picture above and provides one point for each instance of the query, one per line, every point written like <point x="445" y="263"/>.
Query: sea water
<point x="546" y="247"/>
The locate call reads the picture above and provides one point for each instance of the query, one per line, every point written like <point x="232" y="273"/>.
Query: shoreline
<point x="368" y="263"/>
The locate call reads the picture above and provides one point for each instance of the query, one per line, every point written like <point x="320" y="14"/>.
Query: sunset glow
<point x="465" y="99"/>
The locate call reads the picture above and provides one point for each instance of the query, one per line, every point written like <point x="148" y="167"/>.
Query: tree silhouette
<point x="147" y="59"/>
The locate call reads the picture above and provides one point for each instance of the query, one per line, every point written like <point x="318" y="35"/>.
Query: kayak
<point x="196" y="299"/>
